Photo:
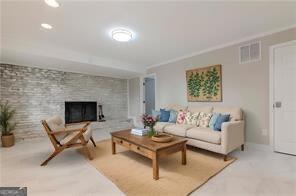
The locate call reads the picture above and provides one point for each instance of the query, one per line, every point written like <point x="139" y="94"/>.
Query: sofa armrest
<point x="232" y="135"/>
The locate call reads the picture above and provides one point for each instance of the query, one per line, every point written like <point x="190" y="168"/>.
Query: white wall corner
<point x="128" y="95"/>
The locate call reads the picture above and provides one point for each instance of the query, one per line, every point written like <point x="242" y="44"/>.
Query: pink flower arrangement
<point x="148" y="120"/>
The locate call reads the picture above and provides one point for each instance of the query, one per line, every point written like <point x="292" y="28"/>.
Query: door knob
<point x="277" y="104"/>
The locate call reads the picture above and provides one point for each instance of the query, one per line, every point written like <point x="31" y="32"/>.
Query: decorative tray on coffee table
<point x="162" y="138"/>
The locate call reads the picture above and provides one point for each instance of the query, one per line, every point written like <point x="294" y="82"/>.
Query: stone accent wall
<point x="37" y="94"/>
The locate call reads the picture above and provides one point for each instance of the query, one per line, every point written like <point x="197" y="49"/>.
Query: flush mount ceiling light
<point x="46" y="26"/>
<point x="52" y="3"/>
<point x="122" y="35"/>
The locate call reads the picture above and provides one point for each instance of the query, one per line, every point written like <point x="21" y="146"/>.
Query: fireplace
<point x="80" y="111"/>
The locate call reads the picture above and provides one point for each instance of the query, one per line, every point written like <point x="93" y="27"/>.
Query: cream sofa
<point x="228" y="139"/>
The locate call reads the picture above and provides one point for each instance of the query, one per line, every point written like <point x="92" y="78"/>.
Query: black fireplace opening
<point x="80" y="111"/>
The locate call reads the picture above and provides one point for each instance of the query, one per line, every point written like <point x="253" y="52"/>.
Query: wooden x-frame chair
<point x="63" y="138"/>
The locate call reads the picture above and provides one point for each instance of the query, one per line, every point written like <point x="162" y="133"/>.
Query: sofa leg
<point x="225" y="157"/>
<point x="242" y="147"/>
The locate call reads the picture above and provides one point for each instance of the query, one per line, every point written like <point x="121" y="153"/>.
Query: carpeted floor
<point x="132" y="173"/>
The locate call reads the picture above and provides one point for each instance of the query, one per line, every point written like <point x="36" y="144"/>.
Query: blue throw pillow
<point x="213" y="120"/>
<point x="221" y="119"/>
<point x="164" y="115"/>
<point x="155" y="114"/>
<point x="173" y="116"/>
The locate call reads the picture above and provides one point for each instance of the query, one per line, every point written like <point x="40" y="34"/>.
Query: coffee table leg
<point x="184" y="155"/>
<point x="155" y="166"/>
<point x="113" y="147"/>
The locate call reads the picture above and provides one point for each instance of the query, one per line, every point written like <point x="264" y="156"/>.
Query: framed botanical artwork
<point x="204" y="84"/>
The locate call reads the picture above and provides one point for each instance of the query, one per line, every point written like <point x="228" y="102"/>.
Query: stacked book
<point x="139" y="131"/>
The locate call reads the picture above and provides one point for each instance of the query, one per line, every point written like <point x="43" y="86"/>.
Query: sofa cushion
<point x="204" y="134"/>
<point x="235" y="112"/>
<point x="179" y="130"/>
<point x="206" y="109"/>
<point x="160" y="125"/>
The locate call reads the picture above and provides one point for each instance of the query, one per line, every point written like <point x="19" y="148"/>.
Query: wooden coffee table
<point x="145" y="146"/>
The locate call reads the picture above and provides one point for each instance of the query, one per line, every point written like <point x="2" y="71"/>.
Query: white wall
<point x="243" y="85"/>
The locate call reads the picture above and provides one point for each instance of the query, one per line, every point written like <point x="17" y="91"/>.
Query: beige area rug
<point x="132" y="173"/>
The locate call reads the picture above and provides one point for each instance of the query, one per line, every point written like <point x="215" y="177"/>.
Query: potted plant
<point x="149" y="121"/>
<point x="6" y="125"/>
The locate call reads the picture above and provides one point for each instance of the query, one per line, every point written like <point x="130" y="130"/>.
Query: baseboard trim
<point x="261" y="147"/>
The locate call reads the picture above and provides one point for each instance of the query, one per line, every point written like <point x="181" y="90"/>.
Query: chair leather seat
<point x="86" y="135"/>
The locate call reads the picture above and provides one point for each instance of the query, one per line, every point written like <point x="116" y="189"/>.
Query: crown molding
<point x="222" y="46"/>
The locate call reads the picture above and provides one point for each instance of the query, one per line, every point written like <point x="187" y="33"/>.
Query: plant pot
<point x="7" y="140"/>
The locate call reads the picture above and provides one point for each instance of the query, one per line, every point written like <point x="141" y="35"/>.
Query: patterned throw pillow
<point x="191" y="118"/>
<point x="181" y="117"/>
<point x="187" y="118"/>
<point x="204" y="119"/>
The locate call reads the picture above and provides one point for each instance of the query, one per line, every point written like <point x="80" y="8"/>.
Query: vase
<point x="151" y="132"/>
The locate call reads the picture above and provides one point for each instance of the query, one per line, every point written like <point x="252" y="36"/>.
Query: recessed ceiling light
<point x="46" y="26"/>
<point x="52" y="3"/>
<point x="122" y="35"/>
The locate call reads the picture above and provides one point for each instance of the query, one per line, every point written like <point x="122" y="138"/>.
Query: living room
<point x="147" y="98"/>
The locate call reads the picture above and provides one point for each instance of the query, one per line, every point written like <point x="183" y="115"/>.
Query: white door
<point x="284" y="62"/>
<point x="149" y="91"/>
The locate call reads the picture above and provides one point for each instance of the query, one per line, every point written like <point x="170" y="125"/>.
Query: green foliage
<point x="211" y="84"/>
<point x="6" y="115"/>
<point x="151" y="132"/>
<point x="206" y="83"/>
<point x="195" y="84"/>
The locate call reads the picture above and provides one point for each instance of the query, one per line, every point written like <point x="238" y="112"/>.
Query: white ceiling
<point x="79" y="41"/>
